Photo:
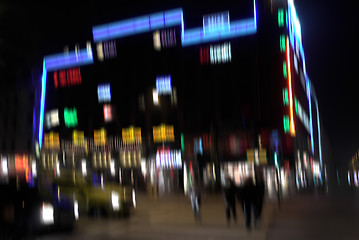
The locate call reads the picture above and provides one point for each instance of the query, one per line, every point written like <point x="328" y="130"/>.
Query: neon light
<point x="286" y="124"/>
<point x="67" y="60"/>
<point x="282" y="43"/>
<point x="107" y="113"/>
<point x="171" y="18"/>
<point x="104" y="92"/>
<point x="292" y="126"/>
<point x="42" y="102"/>
<point x="310" y="116"/>
<point x="237" y="29"/>
<point x="182" y="142"/>
<point x="319" y="137"/>
<point x="285" y="97"/>
<point x="137" y="25"/>
<point x="296" y="105"/>
<point x="163" y="84"/>
<point x="280" y="18"/>
<point x="215" y="21"/>
<point x="255" y="13"/>
<point x="285" y="70"/>
<point x="70" y="117"/>
<point x="220" y="53"/>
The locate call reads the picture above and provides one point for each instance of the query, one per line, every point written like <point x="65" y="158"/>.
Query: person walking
<point x="195" y="197"/>
<point x="260" y="190"/>
<point x="247" y="195"/>
<point x="230" y="200"/>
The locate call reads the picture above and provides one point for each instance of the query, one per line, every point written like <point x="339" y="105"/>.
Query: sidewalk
<point x="173" y="214"/>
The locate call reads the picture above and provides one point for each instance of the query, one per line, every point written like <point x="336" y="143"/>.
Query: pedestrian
<point x="247" y="195"/>
<point x="260" y="189"/>
<point x="195" y="196"/>
<point x="230" y="191"/>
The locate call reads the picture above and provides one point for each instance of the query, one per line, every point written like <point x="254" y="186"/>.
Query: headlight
<point x="115" y="200"/>
<point x="133" y="198"/>
<point x="76" y="209"/>
<point x="47" y="213"/>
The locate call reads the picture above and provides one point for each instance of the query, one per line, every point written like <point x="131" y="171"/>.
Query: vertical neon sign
<point x="42" y="103"/>
<point x="291" y="117"/>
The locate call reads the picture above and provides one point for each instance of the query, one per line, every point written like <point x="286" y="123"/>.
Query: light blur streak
<point x="292" y="127"/>
<point x="47" y="213"/>
<point x="134" y="198"/>
<point x="76" y="209"/>
<point x="115" y="200"/>
<point x="112" y="167"/>
<point x="4" y="166"/>
<point x="83" y="167"/>
<point x="33" y="168"/>
<point x="155" y="97"/>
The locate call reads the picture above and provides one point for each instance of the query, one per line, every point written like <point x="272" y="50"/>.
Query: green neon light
<point x="286" y="124"/>
<point x="280" y="18"/>
<point x="282" y="43"/>
<point x="182" y="142"/>
<point x="70" y="116"/>
<point x="285" y="69"/>
<point x="296" y="105"/>
<point x="285" y="97"/>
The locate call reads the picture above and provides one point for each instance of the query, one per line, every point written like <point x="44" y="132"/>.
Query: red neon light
<point x="204" y="55"/>
<point x="291" y="116"/>
<point x="70" y="77"/>
<point x="56" y="81"/>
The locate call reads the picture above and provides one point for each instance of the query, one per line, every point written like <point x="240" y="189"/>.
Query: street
<point x="171" y="217"/>
<point x="301" y="217"/>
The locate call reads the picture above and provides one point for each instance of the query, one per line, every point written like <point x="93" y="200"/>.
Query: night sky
<point x="27" y="32"/>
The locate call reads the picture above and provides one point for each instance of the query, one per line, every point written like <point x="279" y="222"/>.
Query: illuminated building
<point x="226" y="90"/>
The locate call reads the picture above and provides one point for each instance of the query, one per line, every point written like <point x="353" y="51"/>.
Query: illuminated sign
<point x="52" y="140"/>
<point x="204" y="55"/>
<point x="131" y="135"/>
<point x="215" y="22"/>
<point x="163" y="84"/>
<point x="70" y="116"/>
<point x="21" y="163"/>
<point x="69" y="77"/>
<point x="106" y="50"/>
<point x="104" y="92"/>
<point x="164" y="39"/>
<point x="220" y="53"/>
<point x="166" y="158"/>
<point x="107" y="112"/>
<point x="78" y="138"/>
<point x="163" y="133"/>
<point x="100" y="137"/>
<point x="52" y="118"/>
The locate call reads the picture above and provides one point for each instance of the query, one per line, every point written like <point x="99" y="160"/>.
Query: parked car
<point x="28" y="210"/>
<point x="101" y="200"/>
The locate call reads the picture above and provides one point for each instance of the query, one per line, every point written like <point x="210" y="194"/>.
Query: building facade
<point x="185" y="95"/>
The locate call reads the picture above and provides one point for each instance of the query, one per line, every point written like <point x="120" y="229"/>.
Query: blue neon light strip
<point x="66" y="60"/>
<point x="57" y="62"/>
<point x="237" y="29"/>
<point x="171" y="18"/>
<point x="42" y="103"/>
<point x="137" y="25"/>
<point x="310" y="116"/>
<point x="319" y="137"/>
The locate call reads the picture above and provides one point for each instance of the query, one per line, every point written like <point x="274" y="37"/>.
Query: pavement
<point x="306" y="216"/>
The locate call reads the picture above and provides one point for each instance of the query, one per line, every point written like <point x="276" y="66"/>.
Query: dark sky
<point x="330" y="40"/>
<point x="328" y="31"/>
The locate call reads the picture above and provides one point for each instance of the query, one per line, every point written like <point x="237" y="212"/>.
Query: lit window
<point x="163" y="84"/>
<point x="104" y="92"/>
<point x="107" y="113"/>
<point x="70" y="117"/>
